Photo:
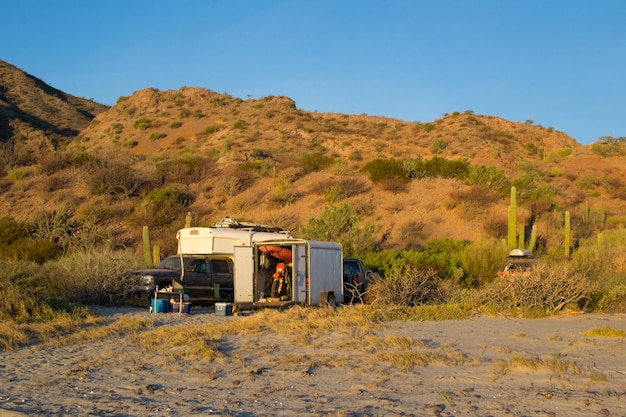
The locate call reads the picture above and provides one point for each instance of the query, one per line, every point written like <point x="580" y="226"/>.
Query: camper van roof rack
<point x="229" y="223"/>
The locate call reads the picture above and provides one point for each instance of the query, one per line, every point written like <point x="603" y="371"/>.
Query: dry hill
<point x="267" y="161"/>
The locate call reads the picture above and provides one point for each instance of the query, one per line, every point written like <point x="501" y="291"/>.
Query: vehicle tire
<point x="331" y="301"/>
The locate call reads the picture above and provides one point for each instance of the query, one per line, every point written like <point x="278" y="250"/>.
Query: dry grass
<point x="555" y="365"/>
<point x="605" y="332"/>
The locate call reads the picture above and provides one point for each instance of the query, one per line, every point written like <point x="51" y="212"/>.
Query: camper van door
<point x="243" y="274"/>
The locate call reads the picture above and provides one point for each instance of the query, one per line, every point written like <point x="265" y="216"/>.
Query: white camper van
<point x="269" y="267"/>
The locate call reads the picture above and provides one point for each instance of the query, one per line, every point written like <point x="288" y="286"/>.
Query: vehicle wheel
<point x="332" y="302"/>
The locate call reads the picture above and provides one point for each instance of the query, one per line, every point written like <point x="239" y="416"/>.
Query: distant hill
<point x="38" y="114"/>
<point x="156" y="155"/>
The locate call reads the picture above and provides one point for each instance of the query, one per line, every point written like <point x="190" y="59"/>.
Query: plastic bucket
<point x="160" y="305"/>
<point x="186" y="307"/>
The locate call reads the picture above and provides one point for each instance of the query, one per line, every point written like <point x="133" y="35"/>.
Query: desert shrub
<point x="481" y="261"/>
<point x="497" y="227"/>
<point x="473" y="197"/>
<point x="259" y="168"/>
<point x="31" y="250"/>
<point x="440" y="255"/>
<point x="213" y="129"/>
<point x="232" y="186"/>
<point x="239" y="124"/>
<point x="342" y="188"/>
<point x="111" y="176"/>
<point x="408" y="285"/>
<point x="614" y="301"/>
<point x="16" y="174"/>
<point x="438" y="145"/>
<point x="53" y="162"/>
<point x="12" y="230"/>
<point x="436" y="167"/>
<point x="380" y="170"/>
<point x="91" y="277"/>
<point x="187" y="169"/>
<point x="395" y="185"/>
<point x="608" y="149"/>
<point x="558" y="155"/>
<point x="602" y="258"/>
<point x="531" y="186"/>
<point x="490" y="178"/>
<point x="355" y="156"/>
<point x="142" y="123"/>
<point x="18" y="242"/>
<point x="164" y="205"/>
<point x="282" y="196"/>
<point x="428" y="127"/>
<point x="22" y="295"/>
<point x="154" y="136"/>
<point x="412" y="233"/>
<point x="546" y="289"/>
<point x="341" y="224"/>
<point x="315" y="162"/>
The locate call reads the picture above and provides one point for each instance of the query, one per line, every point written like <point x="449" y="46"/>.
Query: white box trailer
<point x="275" y="273"/>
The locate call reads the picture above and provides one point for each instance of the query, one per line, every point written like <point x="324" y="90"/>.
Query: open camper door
<point x="325" y="273"/>
<point x="299" y="273"/>
<point x="243" y="274"/>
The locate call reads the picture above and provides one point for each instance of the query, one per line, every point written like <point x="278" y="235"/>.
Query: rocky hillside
<point x="156" y="155"/>
<point x="38" y="116"/>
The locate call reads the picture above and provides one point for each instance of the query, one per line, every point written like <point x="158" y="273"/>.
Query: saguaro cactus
<point x="512" y="236"/>
<point x="156" y="254"/>
<point x="533" y="238"/>
<point x="147" y="251"/>
<point x="188" y="220"/>
<point x="567" y="234"/>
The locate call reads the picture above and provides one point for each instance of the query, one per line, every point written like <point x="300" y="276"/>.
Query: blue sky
<point x="559" y="63"/>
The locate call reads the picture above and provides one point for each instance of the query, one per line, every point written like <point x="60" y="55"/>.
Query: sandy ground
<point x="478" y="367"/>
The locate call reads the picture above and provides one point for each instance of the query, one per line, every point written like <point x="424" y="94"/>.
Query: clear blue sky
<point x="560" y="63"/>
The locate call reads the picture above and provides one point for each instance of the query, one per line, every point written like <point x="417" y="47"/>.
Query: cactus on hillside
<point x="147" y="252"/>
<point x="533" y="238"/>
<point x="156" y="254"/>
<point x="567" y="234"/>
<point x="512" y="236"/>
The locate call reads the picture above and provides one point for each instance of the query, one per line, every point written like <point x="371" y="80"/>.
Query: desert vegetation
<point x="427" y="206"/>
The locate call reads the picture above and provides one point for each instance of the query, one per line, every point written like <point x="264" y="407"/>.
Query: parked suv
<point x="203" y="278"/>
<point x="354" y="280"/>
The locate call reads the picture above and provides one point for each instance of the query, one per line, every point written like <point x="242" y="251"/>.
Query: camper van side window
<point x="220" y="266"/>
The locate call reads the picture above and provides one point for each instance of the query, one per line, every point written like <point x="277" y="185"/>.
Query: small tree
<point x="341" y="224"/>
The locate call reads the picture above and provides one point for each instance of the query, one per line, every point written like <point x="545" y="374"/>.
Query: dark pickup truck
<point x="203" y="278"/>
<point x="355" y="280"/>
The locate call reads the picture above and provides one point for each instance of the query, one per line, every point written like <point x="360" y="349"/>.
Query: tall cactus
<point x="188" y="220"/>
<point x="567" y="234"/>
<point x="512" y="236"/>
<point x="533" y="238"/>
<point x="147" y="251"/>
<point x="156" y="254"/>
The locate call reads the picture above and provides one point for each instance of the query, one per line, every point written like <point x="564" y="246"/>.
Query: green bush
<point x="315" y="162"/>
<point x="438" y="145"/>
<point x="341" y="224"/>
<point x="380" y="170"/>
<point x="142" y="123"/>
<point x="154" y="136"/>
<point x="490" y="178"/>
<point x="164" y="205"/>
<point x="481" y="262"/>
<point x="12" y="230"/>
